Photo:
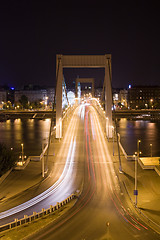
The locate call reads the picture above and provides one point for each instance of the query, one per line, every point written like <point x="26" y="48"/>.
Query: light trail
<point x="88" y="196"/>
<point x="105" y="152"/>
<point x="64" y="178"/>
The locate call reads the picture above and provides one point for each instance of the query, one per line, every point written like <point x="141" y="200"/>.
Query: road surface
<point x="102" y="211"/>
<point x="63" y="180"/>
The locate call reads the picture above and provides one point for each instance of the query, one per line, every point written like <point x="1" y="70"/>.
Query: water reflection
<point x="32" y="132"/>
<point x="17" y="130"/>
<point x="148" y="132"/>
<point x="29" y="131"/>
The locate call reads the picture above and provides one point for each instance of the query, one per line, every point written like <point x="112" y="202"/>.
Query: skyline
<point x="32" y="34"/>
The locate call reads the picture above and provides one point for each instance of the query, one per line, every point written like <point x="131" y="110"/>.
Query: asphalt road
<point x="102" y="211"/>
<point x="60" y="184"/>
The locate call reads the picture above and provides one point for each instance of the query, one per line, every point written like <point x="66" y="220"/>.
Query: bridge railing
<point x="27" y="219"/>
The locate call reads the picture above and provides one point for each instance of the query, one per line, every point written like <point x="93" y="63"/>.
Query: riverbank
<point x="143" y="114"/>
<point x="26" y="114"/>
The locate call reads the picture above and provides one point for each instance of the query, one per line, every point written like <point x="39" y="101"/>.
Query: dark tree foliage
<point x="7" y="159"/>
<point x="24" y="101"/>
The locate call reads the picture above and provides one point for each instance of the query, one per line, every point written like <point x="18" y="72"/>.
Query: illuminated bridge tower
<point x="79" y="91"/>
<point x="83" y="61"/>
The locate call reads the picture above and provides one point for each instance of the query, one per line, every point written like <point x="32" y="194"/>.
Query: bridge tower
<point x="83" y="61"/>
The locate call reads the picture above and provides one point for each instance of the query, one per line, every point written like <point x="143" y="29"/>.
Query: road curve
<point x="102" y="211"/>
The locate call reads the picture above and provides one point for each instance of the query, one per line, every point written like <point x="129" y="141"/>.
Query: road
<point x="63" y="180"/>
<point x="102" y="211"/>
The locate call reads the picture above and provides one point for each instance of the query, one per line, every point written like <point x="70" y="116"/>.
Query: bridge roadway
<point x="58" y="186"/>
<point x="102" y="211"/>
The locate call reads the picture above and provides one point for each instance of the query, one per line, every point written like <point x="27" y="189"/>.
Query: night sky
<point x="33" y="32"/>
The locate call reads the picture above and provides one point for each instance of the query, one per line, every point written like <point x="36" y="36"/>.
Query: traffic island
<point x="150" y="163"/>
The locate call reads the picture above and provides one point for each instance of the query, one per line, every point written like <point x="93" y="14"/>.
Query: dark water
<point x="30" y="132"/>
<point x="147" y="132"/>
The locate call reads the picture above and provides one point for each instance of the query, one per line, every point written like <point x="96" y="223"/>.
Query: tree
<point x="36" y="104"/>
<point x="24" y="101"/>
<point x="7" y="159"/>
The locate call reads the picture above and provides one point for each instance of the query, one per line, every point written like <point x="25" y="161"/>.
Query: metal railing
<point x="35" y="215"/>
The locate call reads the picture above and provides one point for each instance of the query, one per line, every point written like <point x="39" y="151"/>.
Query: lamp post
<point x="22" y="152"/>
<point x="151" y="103"/>
<point x="42" y="159"/>
<point x="113" y="139"/>
<point x="151" y="149"/>
<point x="136" y="160"/>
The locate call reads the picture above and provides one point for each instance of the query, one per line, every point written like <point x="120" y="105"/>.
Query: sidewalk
<point x="19" y="181"/>
<point x="148" y="185"/>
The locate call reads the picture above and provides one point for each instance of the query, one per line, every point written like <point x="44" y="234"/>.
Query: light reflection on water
<point x="30" y="132"/>
<point x="148" y="132"/>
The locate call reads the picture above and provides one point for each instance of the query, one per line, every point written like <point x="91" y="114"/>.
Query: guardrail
<point x="128" y="157"/>
<point x="35" y="215"/>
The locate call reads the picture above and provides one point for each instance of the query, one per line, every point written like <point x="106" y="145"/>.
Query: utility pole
<point x="42" y="159"/>
<point x="151" y="149"/>
<point x="136" y="160"/>
<point x="22" y="152"/>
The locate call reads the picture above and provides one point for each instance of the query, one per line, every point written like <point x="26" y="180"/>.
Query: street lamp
<point x="151" y="103"/>
<point x="151" y="148"/>
<point x="22" y="152"/>
<point x="136" y="159"/>
<point x="113" y="139"/>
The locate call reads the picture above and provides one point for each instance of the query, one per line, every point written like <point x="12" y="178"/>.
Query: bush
<point x="7" y="159"/>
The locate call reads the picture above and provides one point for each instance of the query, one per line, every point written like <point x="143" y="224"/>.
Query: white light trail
<point x="61" y="182"/>
<point x="102" y="146"/>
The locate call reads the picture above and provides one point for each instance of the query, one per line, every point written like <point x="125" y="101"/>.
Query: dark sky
<point x="33" y="32"/>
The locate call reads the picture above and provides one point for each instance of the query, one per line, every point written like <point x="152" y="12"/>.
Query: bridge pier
<point x="59" y="75"/>
<point x="84" y="61"/>
<point x="108" y="98"/>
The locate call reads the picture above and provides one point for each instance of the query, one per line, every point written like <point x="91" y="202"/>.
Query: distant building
<point x="36" y="94"/>
<point x="64" y="97"/>
<point x="141" y="97"/>
<point x="115" y="94"/>
<point x="123" y="97"/>
<point x="10" y="95"/>
<point x="50" y="95"/>
<point x="79" y="90"/>
<point x="71" y="97"/>
<point x="98" y="92"/>
<point x="6" y="95"/>
<point x="3" y="96"/>
<point x="32" y="95"/>
<point x="120" y="97"/>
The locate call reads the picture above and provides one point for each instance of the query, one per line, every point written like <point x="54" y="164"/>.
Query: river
<point x="148" y="132"/>
<point x="32" y="133"/>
